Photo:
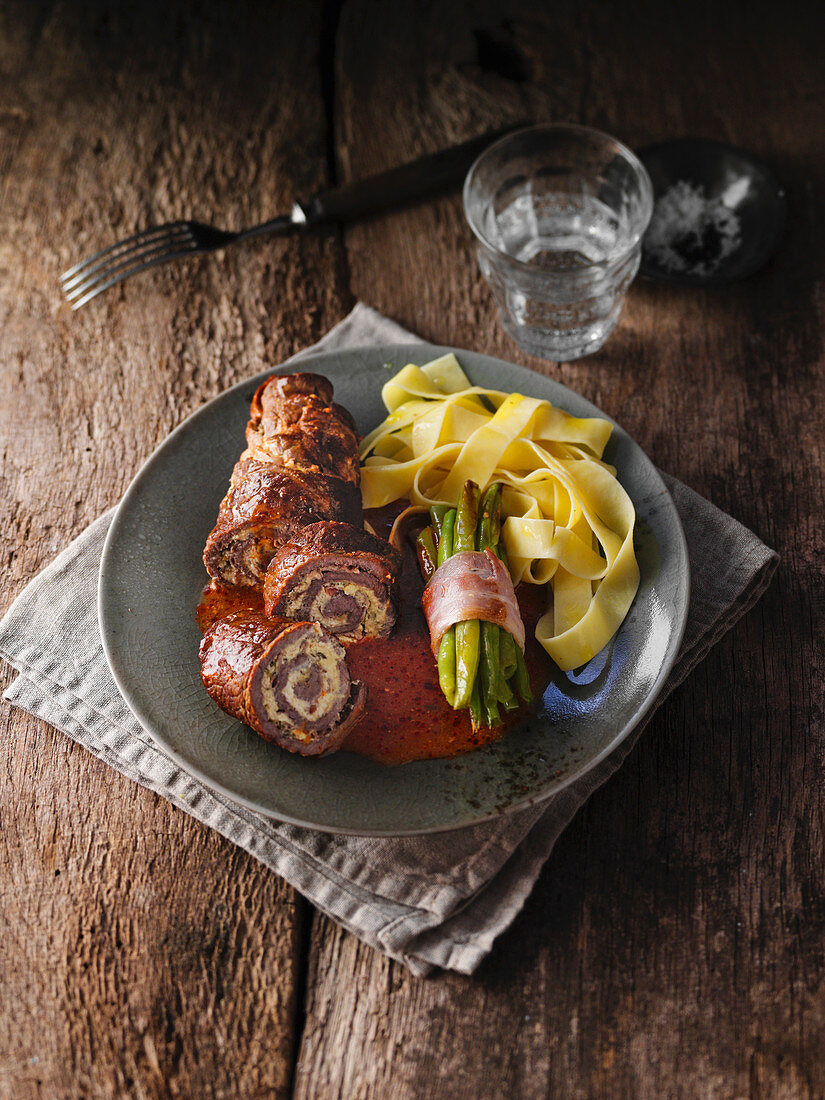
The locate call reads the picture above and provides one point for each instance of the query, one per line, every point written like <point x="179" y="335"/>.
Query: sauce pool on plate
<point x="406" y="717"/>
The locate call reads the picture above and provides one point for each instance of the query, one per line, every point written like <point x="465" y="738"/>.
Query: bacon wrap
<point x="471" y="585"/>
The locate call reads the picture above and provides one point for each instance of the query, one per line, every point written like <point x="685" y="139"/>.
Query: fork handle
<point x="400" y="186"/>
<point x="282" y="224"/>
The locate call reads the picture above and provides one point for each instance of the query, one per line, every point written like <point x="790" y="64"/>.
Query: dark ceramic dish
<point x="151" y="576"/>
<point x="754" y="197"/>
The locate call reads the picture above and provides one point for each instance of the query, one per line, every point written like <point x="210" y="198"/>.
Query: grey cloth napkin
<point x="428" y="901"/>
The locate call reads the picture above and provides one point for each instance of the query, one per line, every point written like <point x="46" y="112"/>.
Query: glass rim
<point x="567" y="128"/>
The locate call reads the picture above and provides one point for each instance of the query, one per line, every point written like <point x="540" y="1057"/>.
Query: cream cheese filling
<point x="325" y="655"/>
<point x="374" y="611"/>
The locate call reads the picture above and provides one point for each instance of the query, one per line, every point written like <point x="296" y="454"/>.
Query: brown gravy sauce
<point x="406" y="718"/>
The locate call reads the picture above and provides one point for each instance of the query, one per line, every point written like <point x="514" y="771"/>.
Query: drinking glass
<point x="558" y="213"/>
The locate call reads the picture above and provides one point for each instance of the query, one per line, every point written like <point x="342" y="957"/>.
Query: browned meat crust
<point x="290" y="385"/>
<point x="300" y="466"/>
<point x="296" y="425"/>
<point x="317" y="539"/>
<point x="288" y="681"/>
<point x="266" y="505"/>
<point x="336" y="574"/>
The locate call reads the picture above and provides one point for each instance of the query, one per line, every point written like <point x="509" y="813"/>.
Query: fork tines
<point x="117" y="262"/>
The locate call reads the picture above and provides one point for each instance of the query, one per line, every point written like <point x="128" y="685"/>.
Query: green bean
<point x="445" y="538"/>
<point x="490" y="661"/>
<point x="489" y="670"/>
<point x="485" y="719"/>
<point x="426" y="551"/>
<point x="523" y="678"/>
<point x="467" y="652"/>
<point x="437" y="514"/>
<point x="508" y="698"/>
<point x="507" y="650"/>
<point x="491" y="511"/>
<point x="475" y="708"/>
<point x="447" y="645"/>
<point x="494" y="639"/>
<point x="467" y="634"/>
<point x="493" y="718"/>
<point x="466" y="519"/>
<point x="483" y="531"/>
<point x="446" y="665"/>
<point x="509" y="662"/>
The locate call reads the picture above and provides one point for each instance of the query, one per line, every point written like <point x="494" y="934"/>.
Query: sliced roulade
<point x="338" y="575"/>
<point x="288" y="681"/>
<point x="265" y="506"/>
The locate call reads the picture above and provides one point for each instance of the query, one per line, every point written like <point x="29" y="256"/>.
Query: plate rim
<point x="304" y="360"/>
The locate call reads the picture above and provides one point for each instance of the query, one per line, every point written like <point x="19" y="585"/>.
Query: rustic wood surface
<point x="673" y="946"/>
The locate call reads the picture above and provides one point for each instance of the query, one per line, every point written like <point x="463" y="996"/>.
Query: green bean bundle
<point x="480" y="665"/>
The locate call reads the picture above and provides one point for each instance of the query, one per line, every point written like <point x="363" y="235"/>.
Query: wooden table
<point x="674" y="944"/>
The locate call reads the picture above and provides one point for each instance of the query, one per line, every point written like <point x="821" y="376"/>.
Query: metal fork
<point x="150" y="247"/>
<point x="411" y="182"/>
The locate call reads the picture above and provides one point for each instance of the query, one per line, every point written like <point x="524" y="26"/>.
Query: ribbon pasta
<point x="566" y="520"/>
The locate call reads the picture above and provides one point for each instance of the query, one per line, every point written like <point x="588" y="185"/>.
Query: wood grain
<point x="142" y="955"/>
<point x="673" y="946"/>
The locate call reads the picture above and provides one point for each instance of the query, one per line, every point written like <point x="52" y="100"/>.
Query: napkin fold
<point x="430" y="901"/>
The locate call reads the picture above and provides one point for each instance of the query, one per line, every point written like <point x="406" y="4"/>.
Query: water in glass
<point x="569" y="302"/>
<point x="558" y="213"/>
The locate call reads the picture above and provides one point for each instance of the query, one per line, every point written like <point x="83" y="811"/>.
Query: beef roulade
<point x="265" y="506"/>
<point x="300" y="466"/>
<point x="294" y="421"/>
<point x="288" y="681"/>
<point x="338" y="575"/>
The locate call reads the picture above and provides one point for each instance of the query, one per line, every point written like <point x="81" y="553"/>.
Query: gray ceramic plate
<point x="151" y="576"/>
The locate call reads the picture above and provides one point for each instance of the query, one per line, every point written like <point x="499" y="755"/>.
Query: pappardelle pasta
<point x="566" y="520"/>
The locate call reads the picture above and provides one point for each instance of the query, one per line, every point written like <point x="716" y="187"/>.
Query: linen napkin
<point x="432" y="901"/>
